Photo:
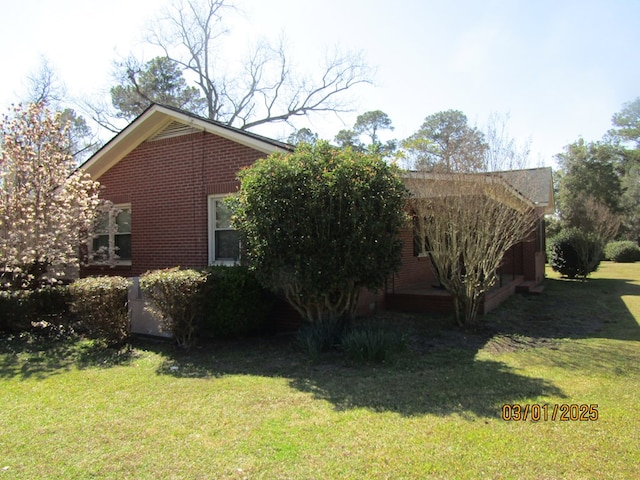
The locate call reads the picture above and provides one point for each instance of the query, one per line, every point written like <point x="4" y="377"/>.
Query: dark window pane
<point x="123" y="221"/>
<point x="102" y="225"/>
<point x="223" y="215"/>
<point x="100" y="247"/>
<point x="123" y="246"/>
<point x="227" y="245"/>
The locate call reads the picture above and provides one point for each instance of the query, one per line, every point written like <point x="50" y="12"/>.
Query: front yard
<point x="260" y="409"/>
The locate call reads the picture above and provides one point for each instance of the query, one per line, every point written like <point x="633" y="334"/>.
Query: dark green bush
<point x="625" y="251"/>
<point x="372" y="343"/>
<point x="100" y="304"/>
<point x="19" y="309"/>
<point x="234" y="304"/>
<point x="574" y="253"/>
<point x="175" y="297"/>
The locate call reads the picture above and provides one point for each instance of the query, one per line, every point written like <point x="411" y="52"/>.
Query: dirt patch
<point x="502" y="343"/>
<point x="504" y="330"/>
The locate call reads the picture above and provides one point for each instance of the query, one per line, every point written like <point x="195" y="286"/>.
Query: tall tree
<point x="47" y="207"/>
<point x="303" y="135"/>
<point x="447" y="143"/>
<point x="369" y="124"/>
<point x="160" y="80"/>
<point x="626" y="134"/>
<point x="589" y="188"/>
<point x="263" y="89"/>
<point x="627" y="123"/>
<point x="589" y="168"/>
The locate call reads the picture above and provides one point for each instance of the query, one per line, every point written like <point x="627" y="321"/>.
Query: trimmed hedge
<point x="19" y="309"/>
<point x="101" y="306"/>
<point x="574" y="253"/>
<point x="625" y="251"/>
<point x="175" y="296"/>
<point x="234" y="304"/>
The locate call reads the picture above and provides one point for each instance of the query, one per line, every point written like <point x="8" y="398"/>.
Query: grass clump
<point x="317" y="338"/>
<point x="372" y="342"/>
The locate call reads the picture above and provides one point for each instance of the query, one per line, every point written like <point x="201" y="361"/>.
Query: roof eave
<point x="151" y="122"/>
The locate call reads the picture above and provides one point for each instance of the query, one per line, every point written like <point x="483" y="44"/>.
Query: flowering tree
<point x="47" y="208"/>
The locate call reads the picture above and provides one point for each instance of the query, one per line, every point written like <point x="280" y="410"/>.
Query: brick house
<point x="167" y="173"/>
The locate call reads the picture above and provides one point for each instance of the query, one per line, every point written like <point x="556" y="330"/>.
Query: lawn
<point x="260" y="409"/>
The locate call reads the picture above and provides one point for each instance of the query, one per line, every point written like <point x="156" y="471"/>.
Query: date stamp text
<point x="562" y="412"/>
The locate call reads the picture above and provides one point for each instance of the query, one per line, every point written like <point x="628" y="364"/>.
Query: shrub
<point x="174" y="295"/>
<point x="234" y="303"/>
<point x="100" y="304"/>
<point x="574" y="253"/>
<point x="625" y="251"/>
<point x="321" y="223"/>
<point x="20" y="309"/>
<point x="315" y="338"/>
<point x="372" y="343"/>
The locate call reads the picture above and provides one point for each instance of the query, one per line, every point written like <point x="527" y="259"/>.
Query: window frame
<point x="212" y="229"/>
<point x="113" y="213"/>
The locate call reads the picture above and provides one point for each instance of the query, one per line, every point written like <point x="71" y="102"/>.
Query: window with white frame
<point x="224" y="241"/>
<point x="112" y="237"/>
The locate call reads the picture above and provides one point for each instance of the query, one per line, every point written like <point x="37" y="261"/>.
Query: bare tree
<point x="44" y="87"/>
<point x="466" y="223"/>
<point x="503" y="152"/>
<point x="262" y="89"/>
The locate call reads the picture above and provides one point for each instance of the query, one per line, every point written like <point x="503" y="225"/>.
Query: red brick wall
<point x="413" y="271"/>
<point x="167" y="183"/>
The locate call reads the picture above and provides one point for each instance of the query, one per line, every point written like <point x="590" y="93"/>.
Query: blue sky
<point x="559" y="69"/>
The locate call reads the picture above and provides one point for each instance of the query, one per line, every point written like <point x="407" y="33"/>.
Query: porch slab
<point x="425" y="297"/>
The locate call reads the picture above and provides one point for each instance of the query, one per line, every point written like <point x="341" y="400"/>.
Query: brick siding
<point x="167" y="183"/>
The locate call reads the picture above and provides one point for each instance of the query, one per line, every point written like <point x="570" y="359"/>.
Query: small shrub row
<point x="20" y="309"/>
<point x="368" y="342"/>
<point x="574" y="253"/>
<point x="234" y="303"/>
<point x="101" y="307"/>
<point x="625" y="251"/>
<point x="219" y="302"/>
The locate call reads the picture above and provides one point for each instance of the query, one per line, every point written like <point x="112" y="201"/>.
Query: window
<point x="112" y="240"/>
<point x="224" y="242"/>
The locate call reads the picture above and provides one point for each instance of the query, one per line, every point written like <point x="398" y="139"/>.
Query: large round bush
<point x="321" y="223"/>
<point x="574" y="253"/>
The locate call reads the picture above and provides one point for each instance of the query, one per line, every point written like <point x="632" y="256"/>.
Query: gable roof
<point x="534" y="183"/>
<point x="159" y="121"/>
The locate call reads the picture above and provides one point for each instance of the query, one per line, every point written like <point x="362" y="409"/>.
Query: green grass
<point x="260" y="409"/>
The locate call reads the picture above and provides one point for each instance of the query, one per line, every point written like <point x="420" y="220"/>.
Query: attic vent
<point x="174" y="129"/>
